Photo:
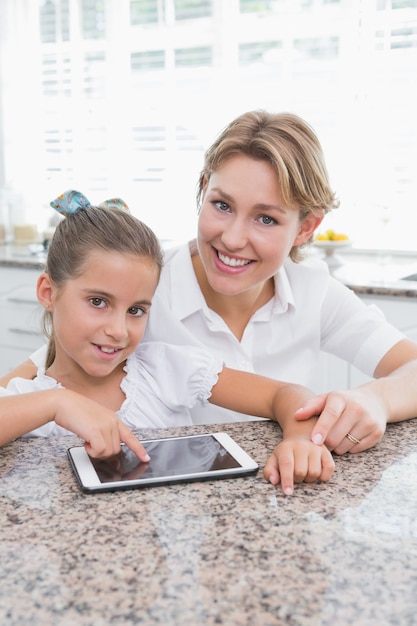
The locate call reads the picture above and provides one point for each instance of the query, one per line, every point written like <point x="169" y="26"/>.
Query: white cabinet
<point x="20" y="316"/>
<point x="333" y="373"/>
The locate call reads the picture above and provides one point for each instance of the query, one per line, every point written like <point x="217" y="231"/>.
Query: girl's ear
<point x="307" y="227"/>
<point x="44" y="290"/>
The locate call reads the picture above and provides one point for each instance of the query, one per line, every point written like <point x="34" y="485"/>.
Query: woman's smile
<point x="230" y="262"/>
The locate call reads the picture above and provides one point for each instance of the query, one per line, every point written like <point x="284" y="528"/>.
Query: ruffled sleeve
<point x="164" y="381"/>
<point x="41" y="381"/>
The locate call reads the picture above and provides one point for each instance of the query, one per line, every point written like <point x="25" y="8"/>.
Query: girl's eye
<point x="99" y="303"/>
<point x="222" y="206"/>
<point x="136" y="311"/>
<point x="267" y="220"/>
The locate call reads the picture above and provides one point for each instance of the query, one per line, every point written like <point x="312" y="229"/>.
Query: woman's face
<point x="245" y="232"/>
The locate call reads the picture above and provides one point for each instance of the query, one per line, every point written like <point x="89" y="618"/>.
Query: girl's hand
<point x="357" y="412"/>
<point x="100" y="428"/>
<point x="298" y="460"/>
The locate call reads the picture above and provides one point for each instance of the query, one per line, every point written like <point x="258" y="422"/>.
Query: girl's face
<point x="245" y="233"/>
<point x="100" y="317"/>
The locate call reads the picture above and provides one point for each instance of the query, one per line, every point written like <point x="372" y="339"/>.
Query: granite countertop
<point x="230" y="552"/>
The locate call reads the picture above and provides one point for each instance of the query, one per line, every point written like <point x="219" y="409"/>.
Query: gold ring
<point x="353" y="439"/>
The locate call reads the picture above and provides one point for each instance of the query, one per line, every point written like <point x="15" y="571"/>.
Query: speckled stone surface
<point x="226" y="552"/>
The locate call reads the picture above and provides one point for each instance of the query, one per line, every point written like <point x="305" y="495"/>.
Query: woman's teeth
<point x="108" y="350"/>
<point x="227" y="260"/>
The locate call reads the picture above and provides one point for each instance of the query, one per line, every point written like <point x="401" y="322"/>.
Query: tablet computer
<point x="173" y="460"/>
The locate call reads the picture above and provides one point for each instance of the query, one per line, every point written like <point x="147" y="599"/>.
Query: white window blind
<point x="121" y="97"/>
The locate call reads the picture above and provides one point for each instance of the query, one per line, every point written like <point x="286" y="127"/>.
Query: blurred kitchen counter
<point x="374" y="272"/>
<point x="367" y="272"/>
<point x="25" y="256"/>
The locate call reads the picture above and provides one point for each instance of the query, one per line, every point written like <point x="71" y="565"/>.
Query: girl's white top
<point x="161" y="385"/>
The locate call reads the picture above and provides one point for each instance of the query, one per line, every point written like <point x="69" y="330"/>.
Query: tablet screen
<point x="169" y="457"/>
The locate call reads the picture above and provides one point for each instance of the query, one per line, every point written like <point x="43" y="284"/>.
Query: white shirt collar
<point x="186" y="296"/>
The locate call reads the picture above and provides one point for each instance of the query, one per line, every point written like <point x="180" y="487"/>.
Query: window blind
<point x="122" y="97"/>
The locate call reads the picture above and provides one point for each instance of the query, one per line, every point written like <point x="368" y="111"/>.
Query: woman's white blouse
<point x="310" y="312"/>
<point x="161" y="385"/>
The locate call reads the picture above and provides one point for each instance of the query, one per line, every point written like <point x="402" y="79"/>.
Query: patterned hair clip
<point x="72" y="201"/>
<point x="114" y="203"/>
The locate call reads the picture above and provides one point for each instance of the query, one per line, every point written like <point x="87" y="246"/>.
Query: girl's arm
<point x="297" y="458"/>
<point x="100" y="428"/>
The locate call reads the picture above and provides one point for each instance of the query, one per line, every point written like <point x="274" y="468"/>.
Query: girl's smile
<point x="107" y="351"/>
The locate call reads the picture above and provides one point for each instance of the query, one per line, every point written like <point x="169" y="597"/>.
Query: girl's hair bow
<point x="72" y="201"/>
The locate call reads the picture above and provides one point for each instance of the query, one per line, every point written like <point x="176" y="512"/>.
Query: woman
<point x="243" y="290"/>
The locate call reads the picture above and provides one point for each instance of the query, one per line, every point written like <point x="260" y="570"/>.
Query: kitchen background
<point x="121" y="97"/>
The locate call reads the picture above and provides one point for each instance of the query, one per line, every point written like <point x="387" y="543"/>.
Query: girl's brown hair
<point x="88" y="229"/>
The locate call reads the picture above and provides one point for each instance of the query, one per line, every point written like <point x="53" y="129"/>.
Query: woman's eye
<point x="222" y="206"/>
<point x="136" y="311"/>
<point x="99" y="303"/>
<point x="267" y="220"/>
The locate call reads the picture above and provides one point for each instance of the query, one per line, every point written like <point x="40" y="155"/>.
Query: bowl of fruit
<point x="330" y="241"/>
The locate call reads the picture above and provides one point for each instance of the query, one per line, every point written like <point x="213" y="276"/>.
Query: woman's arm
<point x="100" y="428"/>
<point x="27" y="369"/>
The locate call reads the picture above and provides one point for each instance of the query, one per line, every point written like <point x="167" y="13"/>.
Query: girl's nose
<point x="116" y="327"/>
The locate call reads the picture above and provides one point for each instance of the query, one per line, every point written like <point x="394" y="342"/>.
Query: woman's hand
<point x="355" y="420"/>
<point x="350" y="421"/>
<point x="297" y="459"/>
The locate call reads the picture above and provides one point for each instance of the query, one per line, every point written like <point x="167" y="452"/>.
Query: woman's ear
<point x="202" y="193"/>
<point x="205" y="183"/>
<point x="44" y="290"/>
<point x="307" y="227"/>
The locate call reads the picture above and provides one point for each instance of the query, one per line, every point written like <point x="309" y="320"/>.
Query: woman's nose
<point x="235" y="235"/>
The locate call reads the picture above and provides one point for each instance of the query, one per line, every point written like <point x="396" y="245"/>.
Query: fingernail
<point x="146" y="458"/>
<point x="317" y="438"/>
<point x="288" y="491"/>
<point x="299" y="410"/>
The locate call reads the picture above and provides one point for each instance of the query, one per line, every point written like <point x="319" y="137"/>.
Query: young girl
<point x="102" y="270"/>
